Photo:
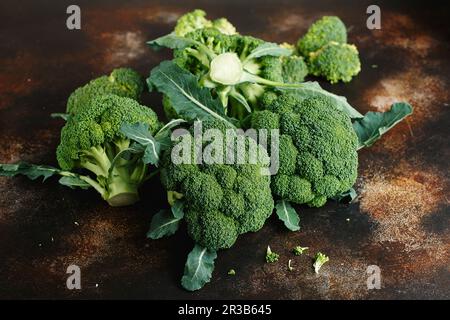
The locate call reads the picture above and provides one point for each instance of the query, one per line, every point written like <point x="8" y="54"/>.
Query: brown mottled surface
<point x="400" y="221"/>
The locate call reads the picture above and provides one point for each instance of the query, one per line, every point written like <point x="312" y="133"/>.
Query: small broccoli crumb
<point x="271" y="256"/>
<point x="231" y="272"/>
<point x="319" y="260"/>
<point x="290" y="268"/>
<point x="298" y="250"/>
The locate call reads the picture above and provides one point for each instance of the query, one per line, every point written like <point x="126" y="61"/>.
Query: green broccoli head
<point x="123" y="82"/>
<point x="317" y="148"/>
<point x="91" y="140"/>
<point x="335" y="62"/>
<point x="196" y="20"/>
<point x="224" y="64"/>
<point x="321" y="32"/>
<point x="221" y="201"/>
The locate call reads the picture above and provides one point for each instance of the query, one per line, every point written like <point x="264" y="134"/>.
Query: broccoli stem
<point x="96" y="160"/>
<point x="248" y="77"/>
<point x="121" y="191"/>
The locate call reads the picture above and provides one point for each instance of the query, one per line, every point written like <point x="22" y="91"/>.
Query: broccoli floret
<point x="123" y="82"/>
<point x="321" y="32"/>
<point x="196" y="19"/>
<point x="271" y="256"/>
<point x="221" y="201"/>
<point x="224" y="26"/>
<point x="335" y="61"/>
<point x="319" y="260"/>
<point x="224" y="64"/>
<point x="298" y="250"/>
<point x="91" y="141"/>
<point x="294" y="69"/>
<point x="317" y="148"/>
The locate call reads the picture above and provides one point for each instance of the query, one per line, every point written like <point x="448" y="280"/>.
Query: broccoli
<point x="271" y="256"/>
<point x="221" y="201"/>
<point x="321" y="32"/>
<point x="123" y="82"/>
<point x="317" y="148"/>
<point x="91" y="140"/>
<point x="196" y="19"/>
<point x="319" y="260"/>
<point x="234" y="66"/>
<point x="298" y="250"/>
<point x="335" y="61"/>
<point x="294" y="69"/>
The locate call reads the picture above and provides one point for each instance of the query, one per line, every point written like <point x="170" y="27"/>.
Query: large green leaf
<point x="189" y="100"/>
<point x="140" y="133"/>
<point x="163" y="224"/>
<point x="198" y="268"/>
<point x="374" y="124"/>
<point x="313" y="89"/>
<point x="288" y="215"/>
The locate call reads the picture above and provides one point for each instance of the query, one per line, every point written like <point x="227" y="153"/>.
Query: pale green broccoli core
<point x="226" y="68"/>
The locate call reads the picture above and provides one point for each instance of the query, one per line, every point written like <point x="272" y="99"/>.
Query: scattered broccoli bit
<point x="322" y="32"/>
<point x="123" y="82"/>
<point x="335" y="62"/>
<point x="298" y="250"/>
<point x="221" y="201"/>
<point x="317" y="149"/>
<point x="290" y="268"/>
<point x="319" y="260"/>
<point x="196" y="19"/>
<point x="231" y="272"/>
<point x="271" y="256"/>
<point x="92" y="141"/>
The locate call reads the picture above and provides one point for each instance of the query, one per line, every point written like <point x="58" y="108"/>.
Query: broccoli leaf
<point x="288" y="215"/>
<point x="268" y="49"/>
<point x="374" y="124"/>
<point x="33" y="172"/>
<point x="171" y="41"/>
<point x="164" y="223"/>
<point x="189" y="100"/>
<point x="347" y="196"/>
<point x="64" y="116"/>
<point x="177" y="209"/>
<point x="74" y="182"/>
<point x="198" y="268"/>
<point x="140" y="133"/>
<point x="313" y="89"/>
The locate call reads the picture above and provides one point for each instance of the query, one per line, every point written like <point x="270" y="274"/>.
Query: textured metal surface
<point x="400" y="221"/>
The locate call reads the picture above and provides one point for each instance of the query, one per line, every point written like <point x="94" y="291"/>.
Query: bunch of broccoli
<point x="226" y="80"/>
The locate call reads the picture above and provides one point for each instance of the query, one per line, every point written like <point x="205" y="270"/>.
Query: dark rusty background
<point x="400" y="221"/>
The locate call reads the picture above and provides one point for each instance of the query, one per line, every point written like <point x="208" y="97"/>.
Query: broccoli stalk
<point x="122" y="176"/>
